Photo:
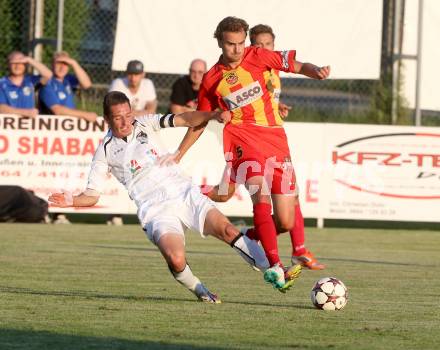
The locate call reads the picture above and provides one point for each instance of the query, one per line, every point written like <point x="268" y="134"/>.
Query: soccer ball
<point x="329" y="293"/>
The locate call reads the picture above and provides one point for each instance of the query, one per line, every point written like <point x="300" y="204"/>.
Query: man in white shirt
<point x="139" y="90"/>
<point x="167" y="200"/>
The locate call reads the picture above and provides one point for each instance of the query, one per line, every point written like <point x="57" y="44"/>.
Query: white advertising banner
<point x="167" y="35"/>
<point x="343" y="171"/>
<point x="53" y="153"/>
<point x="306" y="143"/>
<point x="429" y="55"/>
<point x="382" y="172"/>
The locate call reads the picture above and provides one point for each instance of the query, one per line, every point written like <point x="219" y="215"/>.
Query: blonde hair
<point x="59" y="54"/>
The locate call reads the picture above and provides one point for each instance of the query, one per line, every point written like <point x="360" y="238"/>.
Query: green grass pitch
<point x="98" y="287"/>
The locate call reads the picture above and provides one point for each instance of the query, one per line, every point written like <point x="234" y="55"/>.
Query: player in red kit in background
<point x="254" y="142"/>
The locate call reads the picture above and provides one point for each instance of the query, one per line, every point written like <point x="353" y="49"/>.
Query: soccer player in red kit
<point x="262" y="35"/>
<point x="254" y="142"/>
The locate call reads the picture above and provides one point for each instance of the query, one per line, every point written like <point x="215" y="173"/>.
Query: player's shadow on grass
<point x="87" y="294"/>
<point x="96" y="295"/>
<point x="376" y="262"/>
<point x="273" y="305"/>
<point x="217" y="253"/>
<point x="155" y="250"/>
<point x="28" y="339"/>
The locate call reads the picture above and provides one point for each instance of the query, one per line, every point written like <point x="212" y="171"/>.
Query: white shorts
<point x="188" y="210"/>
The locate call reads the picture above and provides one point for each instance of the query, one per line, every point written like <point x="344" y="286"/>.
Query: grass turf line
<point x="100" y="287"/>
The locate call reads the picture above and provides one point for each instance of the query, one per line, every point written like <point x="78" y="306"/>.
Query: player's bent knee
<point x="285" y="224"/>
<point x="176" y="261"/>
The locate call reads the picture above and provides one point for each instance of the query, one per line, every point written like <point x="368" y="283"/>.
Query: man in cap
<point x="139" y="90"/>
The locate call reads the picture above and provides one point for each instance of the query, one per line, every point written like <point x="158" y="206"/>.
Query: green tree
<point x="13" y="29"/>
<point x="5" y="33"/>
<point x="76" y="16"/>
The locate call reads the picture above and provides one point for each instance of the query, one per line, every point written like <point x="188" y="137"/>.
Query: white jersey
<point x="146" y="92"/>
<point x="134" y="164"/>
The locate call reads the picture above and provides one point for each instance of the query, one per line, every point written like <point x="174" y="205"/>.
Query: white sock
<point x="251" y="252"/>
<point x="187" y="279"/>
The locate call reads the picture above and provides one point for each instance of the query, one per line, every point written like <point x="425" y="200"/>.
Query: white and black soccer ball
<point x="329" y="293"/>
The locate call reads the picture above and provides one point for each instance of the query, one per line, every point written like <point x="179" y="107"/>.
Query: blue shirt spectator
<point x="17" y="90"/>
<point x="58" y="96"/>
<point x="58" y="92"/>
<point x="22" y="96"/>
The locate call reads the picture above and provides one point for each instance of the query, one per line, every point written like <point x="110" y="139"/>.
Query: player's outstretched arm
<point x="223" y="191"/>
<point x="219" y="193"/>
<point x="196" y="121"/>
<point x="193" y="133"/>
<point x="198" y="118"/>
<point x="312" y="71"/>
<point x="191" y="136"/>
<point x="66" y="199"/>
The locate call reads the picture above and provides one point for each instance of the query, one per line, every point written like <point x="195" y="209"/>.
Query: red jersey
<point x="244" y="90"/>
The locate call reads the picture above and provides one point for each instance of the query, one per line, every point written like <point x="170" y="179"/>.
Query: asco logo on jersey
<point x="396" y="165"/>
<point x="244" y="96"/>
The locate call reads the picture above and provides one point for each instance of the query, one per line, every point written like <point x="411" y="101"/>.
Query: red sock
<point x="297" y="233"/>
<point x="251" y="233"/>
<point x="266" y="231"/>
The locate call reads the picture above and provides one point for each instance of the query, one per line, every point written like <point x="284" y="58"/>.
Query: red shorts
<point x="252" y="150"/>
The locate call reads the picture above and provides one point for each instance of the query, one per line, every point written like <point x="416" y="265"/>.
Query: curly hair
<point x="230" y="24"/>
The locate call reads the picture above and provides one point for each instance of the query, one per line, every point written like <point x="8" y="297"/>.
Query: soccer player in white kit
<point x="167" y="200"/>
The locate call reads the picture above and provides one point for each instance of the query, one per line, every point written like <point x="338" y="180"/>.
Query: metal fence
<point x="88" y="34"/>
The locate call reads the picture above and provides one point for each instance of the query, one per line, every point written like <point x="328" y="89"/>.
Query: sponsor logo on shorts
<point x="239" y="151"/>
<point x="231" y="78"/>
<point x="244" y="96"/>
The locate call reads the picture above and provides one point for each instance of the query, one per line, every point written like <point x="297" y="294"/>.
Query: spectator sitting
<point x="186" y="89"/>
<point x="139" y="90"/>
<point x="57" y="97"/>
<point x="17" y="91"/>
